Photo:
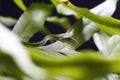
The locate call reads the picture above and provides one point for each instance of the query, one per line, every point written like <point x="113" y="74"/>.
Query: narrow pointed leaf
<point x="20" y="4"/>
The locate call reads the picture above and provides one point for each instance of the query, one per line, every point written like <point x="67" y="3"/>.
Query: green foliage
<point x="20" y="4"/>
<point x="8" y="21"/>
<point x="59" y="59"/>
<point x="32" y="21"/>
<point x="106" y="22"/>
<point x="8" y="66"/>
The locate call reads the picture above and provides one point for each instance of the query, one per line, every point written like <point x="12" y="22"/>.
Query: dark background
<point x="8" y="8"/>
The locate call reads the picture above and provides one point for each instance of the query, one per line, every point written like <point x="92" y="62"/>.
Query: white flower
<point x="109" y="47"/>
<point x="107" y="8"/>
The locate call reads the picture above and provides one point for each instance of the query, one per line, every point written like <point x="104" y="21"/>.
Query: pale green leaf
<point x="32" y="21"/>
<point x="8" y="21"/>
<point x="60" y="47"/>
<point x="6" y="78"/>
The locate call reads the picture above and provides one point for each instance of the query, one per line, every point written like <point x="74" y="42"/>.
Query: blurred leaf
<point x="64" y="22"/>
<point x="77" y="66"/>
<point x="9" y="67"/>
<point x="20" y="4"/>
<point x="32" y="21"/>
<point x="47" y="53"/>
<point x="60" y="47"/>
<point x="8" y="43"/>
<point x="8" y="21"/>
<point x="6" y="78"/>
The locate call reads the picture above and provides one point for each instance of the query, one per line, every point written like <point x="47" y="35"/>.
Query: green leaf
<point x="47" y="53"/>
<point x="66" y="43"/>
<point x="20" y="4"/>
<point x="78" y="38"/>
<point x="112" y="23"/>
<point x="107" y="22"/>
<point x="109" y="30"/>
<point x="74" y="35"/>
<point x="8" y="21"/>
<point x="32" y="21"/>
